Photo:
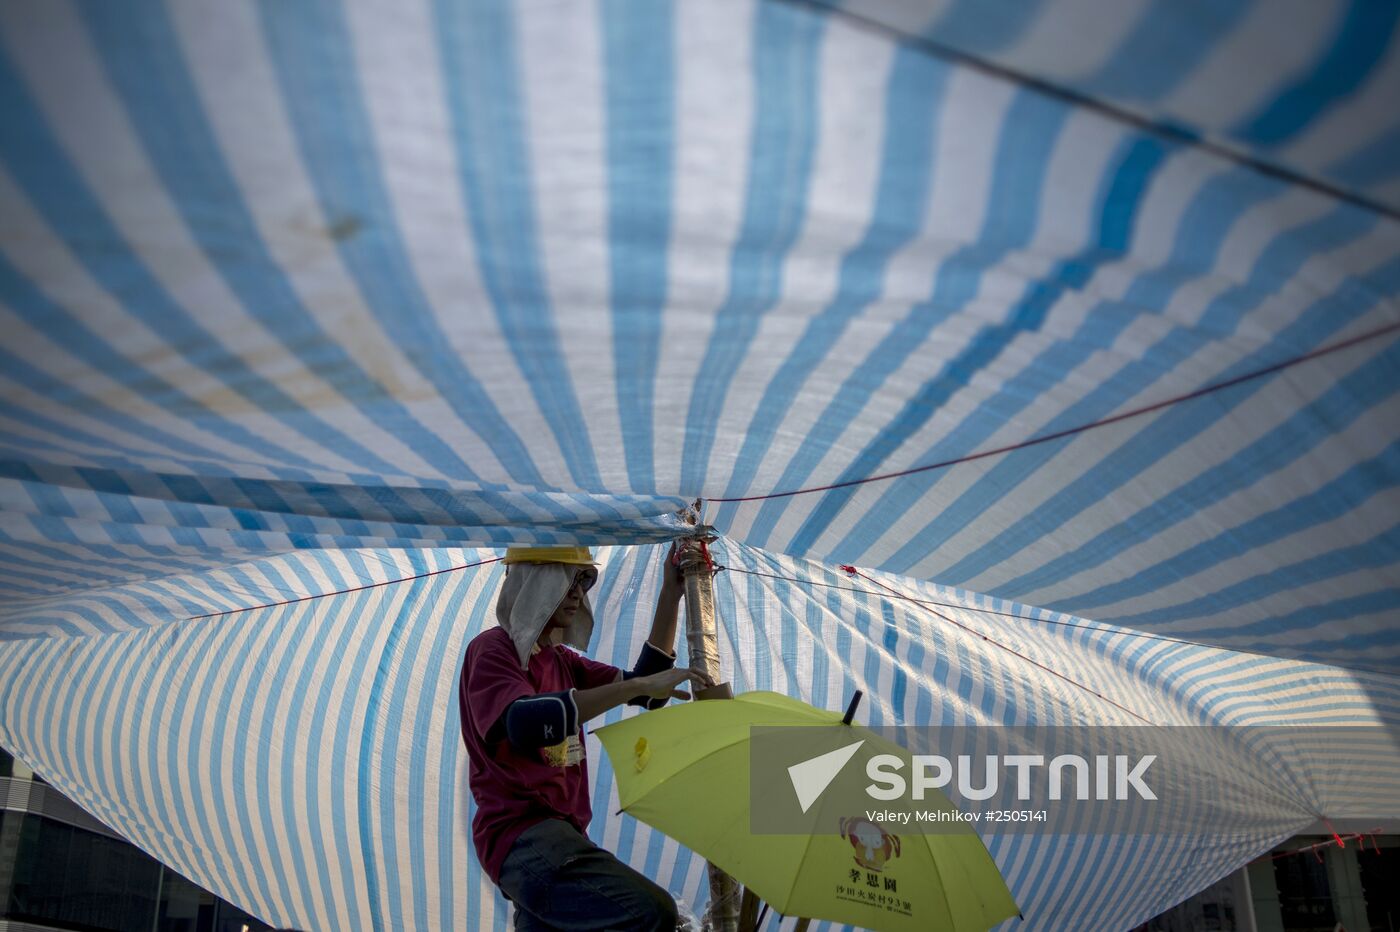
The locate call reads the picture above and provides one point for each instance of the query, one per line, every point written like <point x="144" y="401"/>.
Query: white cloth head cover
<point x="529" y="596"/>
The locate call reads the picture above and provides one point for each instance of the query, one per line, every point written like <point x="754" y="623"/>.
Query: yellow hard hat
<point x="578" y="556"/>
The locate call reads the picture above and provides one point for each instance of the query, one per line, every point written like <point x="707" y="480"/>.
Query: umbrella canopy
<point x="686" y="770"/>
<point x="1073" y="321"/>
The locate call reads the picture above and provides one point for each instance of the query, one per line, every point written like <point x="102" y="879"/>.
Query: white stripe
<point x="1275" y="42"/>
<point x="563" y="95"/>
<point x="414" y="145"/>
<point x="714" y="110"/>
<point x="854" y="73"/>
<point x="89" y="119"/>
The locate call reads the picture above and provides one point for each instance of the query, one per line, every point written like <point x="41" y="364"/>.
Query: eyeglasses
<point x="583" y="581"/>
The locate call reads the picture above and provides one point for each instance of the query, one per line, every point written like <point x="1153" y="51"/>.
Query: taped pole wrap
<point x="702" y="640"/>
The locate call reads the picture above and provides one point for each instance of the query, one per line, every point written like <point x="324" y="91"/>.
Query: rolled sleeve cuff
<point x="652" y="659"/>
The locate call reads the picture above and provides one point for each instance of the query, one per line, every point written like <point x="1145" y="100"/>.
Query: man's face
<point x="564" y="614"/>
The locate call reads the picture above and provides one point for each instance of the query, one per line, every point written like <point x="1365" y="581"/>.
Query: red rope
<point x="1021" y="616"/>
<point x="852" y="571"/>
<point x="1336" y="840"/>
<point x="1059" y="434"/>
<point x="322" y="595"/>
<point x="1093" y="692"/>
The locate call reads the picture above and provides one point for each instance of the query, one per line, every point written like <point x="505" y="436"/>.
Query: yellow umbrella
<point x="705" y="773"/>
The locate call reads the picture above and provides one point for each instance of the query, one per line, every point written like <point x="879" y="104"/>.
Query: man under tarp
<point x="524" y="698"/>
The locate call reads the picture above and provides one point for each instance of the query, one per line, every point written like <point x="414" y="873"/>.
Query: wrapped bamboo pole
<point x="702" y="639"/>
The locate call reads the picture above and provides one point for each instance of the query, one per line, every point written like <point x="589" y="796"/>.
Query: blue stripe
<point x="71" y="711"/>
<point x="890" y="643"/>
<point x="23" y="298"/>
<point x="799" y="682"/>
<point x="1167" y="44"/>
<point x="1197" y="242"/>
<point x="985" y="26"/>
<point x="484" y="581"/>
<point x="913" y="102"/>
<point x="253" y="765"/>
<point x="787" y="42"/>
<point x="294" y="803"/>
<point x="633" y="568"/>
<point x="638" y="60"/>
<point x="216" y="808"/>
<point x="55" y="187"/>
<point x="333" y="131"/>
<point x="1023" y="154"/>
<point x="1246" y="635"/>
<point x="821" y="672"/>
<point x="476" y="41"/>
<point x="317" y="813"/>
<point x="40" y="754"/>
<point x="400" y="846"/>
<point x="1302" y="434"/>
<point x="111" y="558"/>
<point x="114" y="493"/>
<point x="381" y="915"/>
<point x="161" y="742"/>
<point x="13" y="659"/>
<point x="1374" y="164"/>
<point x="120" y="664"/>
<point x="348" y="744"/>
<point x="1352" y="57"/>
<point x="37" y="571"/>
<point x="142" y="57"/>
<point x="210" y="641"/>
<point x="1378" y="551"/>
<point x="1119" y="203"/>
<point x="193" y="640"/>
<point x="762" y="676"/>
<point x="1167" y="431"/>
<point x="197" y="639"/>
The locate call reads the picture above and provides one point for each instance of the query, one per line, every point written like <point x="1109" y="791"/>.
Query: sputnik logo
<point x="811" y="777"/>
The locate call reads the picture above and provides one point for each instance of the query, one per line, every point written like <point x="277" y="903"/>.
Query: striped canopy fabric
<point x="1079" y="319"/>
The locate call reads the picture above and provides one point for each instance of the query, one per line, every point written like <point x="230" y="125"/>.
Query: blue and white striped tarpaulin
<point x="1079" y="317"/>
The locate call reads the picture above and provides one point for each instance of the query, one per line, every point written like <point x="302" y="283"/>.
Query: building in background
<point x="1307" y="884"/>
<point x="62" y="869"/>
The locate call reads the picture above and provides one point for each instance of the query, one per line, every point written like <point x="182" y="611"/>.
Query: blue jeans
<point x="558" y="879"/>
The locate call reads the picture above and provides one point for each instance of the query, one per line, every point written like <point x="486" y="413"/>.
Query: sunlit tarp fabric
<point x="303" y="302"/>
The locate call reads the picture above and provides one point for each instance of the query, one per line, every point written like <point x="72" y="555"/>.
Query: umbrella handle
<point x="851" y="709"/>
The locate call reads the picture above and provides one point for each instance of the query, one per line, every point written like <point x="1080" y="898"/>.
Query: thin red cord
<point x="1336" y="840"/>
<point x="322" y="595"/>
<point x="847" y="568"/>
<point x="1059" y="434"/>
<point x="851" y="570"/>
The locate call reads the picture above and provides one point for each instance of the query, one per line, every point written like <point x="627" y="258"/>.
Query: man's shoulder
<point x="492" y="640"/>
<point x="493" y="633"/>
<point x="490" y="659"/>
